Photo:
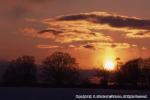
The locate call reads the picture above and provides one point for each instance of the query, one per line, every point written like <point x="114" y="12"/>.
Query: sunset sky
<point x="90" y="30"/>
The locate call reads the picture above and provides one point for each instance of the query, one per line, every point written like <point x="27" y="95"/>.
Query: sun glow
<point x="109" y="62"/>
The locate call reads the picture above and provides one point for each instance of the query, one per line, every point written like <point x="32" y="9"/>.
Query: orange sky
<point x="90" y="30"/>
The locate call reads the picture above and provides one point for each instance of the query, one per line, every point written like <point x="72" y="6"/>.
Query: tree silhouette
<point x="21" y="71"/>
<point x="130" y="72"/>
<point x="145" y="73"/>
<point x="60" y="69"/>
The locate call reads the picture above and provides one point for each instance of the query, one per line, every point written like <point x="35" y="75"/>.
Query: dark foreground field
<point x="28" y="93"/>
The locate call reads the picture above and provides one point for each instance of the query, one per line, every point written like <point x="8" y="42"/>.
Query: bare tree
<point x="21" y="71"/>
<point x="60" y="69"/>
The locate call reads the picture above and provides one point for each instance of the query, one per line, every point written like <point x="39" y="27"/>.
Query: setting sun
<point x="109" y="64"/>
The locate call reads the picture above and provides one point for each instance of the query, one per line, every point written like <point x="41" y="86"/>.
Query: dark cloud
<point x="113" y="45"/>
<point x="101" y="45"/>
<point x="110" y="19"/>
<point x="89" y="46"/>
<point x="53" y="31"/>
<point x="142" y="33"/>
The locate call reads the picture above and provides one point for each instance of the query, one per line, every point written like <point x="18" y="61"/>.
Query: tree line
<point x="60" y="69"/>
<point x="57" y="69"/>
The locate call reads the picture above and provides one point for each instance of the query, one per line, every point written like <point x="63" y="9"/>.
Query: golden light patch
<point x="109" y="62"/>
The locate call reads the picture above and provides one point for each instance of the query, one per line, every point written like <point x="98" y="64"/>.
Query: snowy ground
<point x="27" y="93"/>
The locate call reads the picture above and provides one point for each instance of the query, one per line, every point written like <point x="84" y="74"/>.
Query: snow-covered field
<point x="28" y="93"/>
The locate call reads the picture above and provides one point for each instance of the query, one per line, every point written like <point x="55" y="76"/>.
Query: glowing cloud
<point x="91" y="30"/>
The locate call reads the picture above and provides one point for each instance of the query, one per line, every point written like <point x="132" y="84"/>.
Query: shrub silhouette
<point x="21" y="71"/>
<point x="60" y="69"/>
